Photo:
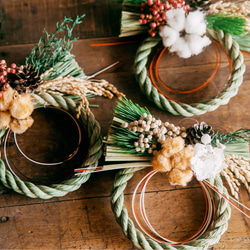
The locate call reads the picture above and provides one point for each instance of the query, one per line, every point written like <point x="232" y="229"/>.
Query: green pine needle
<point x="128" y="111"/>
<point x="121" y="138"/>
<point x="51" y="50"/>
<point x="241" y="134"/>
<point x="234" y="25"/>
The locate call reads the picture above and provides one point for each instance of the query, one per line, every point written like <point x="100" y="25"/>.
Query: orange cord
<point x="111" y="44"/>
<point x="245" y="53"/>
<point x="217" y="191"/>
<point x="187" y="91"/>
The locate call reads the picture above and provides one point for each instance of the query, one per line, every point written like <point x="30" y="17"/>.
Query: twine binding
<point x="94" y="153"/>
<point x="211" y="237"/>
<point x="232" y="49"/>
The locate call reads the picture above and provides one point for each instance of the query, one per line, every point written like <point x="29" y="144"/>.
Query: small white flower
<point x="184" y="35"/>
<point x="206" y="139"/>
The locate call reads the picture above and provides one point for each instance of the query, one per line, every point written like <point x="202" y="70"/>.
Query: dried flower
<point x="208" y="161"/>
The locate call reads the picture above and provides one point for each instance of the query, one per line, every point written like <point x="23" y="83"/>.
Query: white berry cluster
<point x="152" y="131"/>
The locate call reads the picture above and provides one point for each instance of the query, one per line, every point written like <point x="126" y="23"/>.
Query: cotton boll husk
<point x="195" y="23"/>
<point x="172" y="145"/>
<point x="161" y="163"/>
<point x="182" y="159"/>
<point x="180" y="177"/>
<point x="176" y="19"/>
<point x="169" y="35"/>
<point x="22" y="106"/>
<point x="4" y="119"/>
<point x="181" y="48"/>
<point x="6" y="99"/>
<point x="19" y="126"/>
<point x="197" y="43"/>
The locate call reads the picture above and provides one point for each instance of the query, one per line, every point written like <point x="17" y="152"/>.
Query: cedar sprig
<point x="241" y="134"/>
<point x="50" y="49"/>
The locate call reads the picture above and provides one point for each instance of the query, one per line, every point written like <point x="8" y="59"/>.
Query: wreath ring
<point x="232" y="49"/>
<point x="212" y="235"/>
<point x="92" y="127"/>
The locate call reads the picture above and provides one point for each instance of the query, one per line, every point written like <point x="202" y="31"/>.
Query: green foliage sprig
<point x="241" y="134"/>
<point x="128" y="111"/>
<point x="231" y="24"/>
<point x="121" y="139"/>
<point x="52" y="49"/>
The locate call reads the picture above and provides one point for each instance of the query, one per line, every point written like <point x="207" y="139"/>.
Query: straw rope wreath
<point x="232" y="49"/>
<point x="94" y="152"/>
<point x="212" y="236"/>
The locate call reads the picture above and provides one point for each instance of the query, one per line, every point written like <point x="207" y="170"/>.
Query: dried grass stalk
<point x="79" y="87"/>
<point x="237" y="173"/>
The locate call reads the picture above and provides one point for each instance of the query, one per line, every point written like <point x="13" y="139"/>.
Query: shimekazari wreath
<point x="186" y="31"/>
<point x="139" y="139"/>
<point x="50" y="77"/>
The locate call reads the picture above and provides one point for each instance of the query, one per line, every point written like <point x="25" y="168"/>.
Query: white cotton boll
<point x="169" y="35"/>
<point x="197" y="43"/>
<point x="195" y="23"/>
<point x="185" y="53"/>
<point x="181" y="48"/>
<point x="176" y="19"/>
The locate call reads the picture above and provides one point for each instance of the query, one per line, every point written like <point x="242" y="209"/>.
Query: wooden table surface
<point x="83" y="219"/>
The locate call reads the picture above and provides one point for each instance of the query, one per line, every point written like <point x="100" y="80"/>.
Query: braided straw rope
<point x="236" y="78"/>
<point x="211" y="237"/>
<point x="94" y="152"/>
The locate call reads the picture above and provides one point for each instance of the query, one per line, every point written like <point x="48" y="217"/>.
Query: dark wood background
<point x="83" y="219"/>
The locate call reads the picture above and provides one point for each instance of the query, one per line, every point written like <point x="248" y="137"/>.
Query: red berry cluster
<point x="154" y="13"/>
<point x="4" y="70"/>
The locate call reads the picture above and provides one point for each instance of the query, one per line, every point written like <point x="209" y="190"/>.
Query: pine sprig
<point x="121" y="139"/>
<point x="50" y="49"/>
<point x="128" y="111"/>
<point x="231" y="24"/>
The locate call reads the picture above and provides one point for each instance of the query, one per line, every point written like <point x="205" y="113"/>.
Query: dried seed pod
<point x="172" y="145"/>
<point x="180" y="177"/>
<point x="181" y="160"/>
<point x="161" y="163"/>
<point x="19" y="126"/>
<point x="21" y="107"/>
<point x="6" y="99"/>
<point x="4" y="119"/>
